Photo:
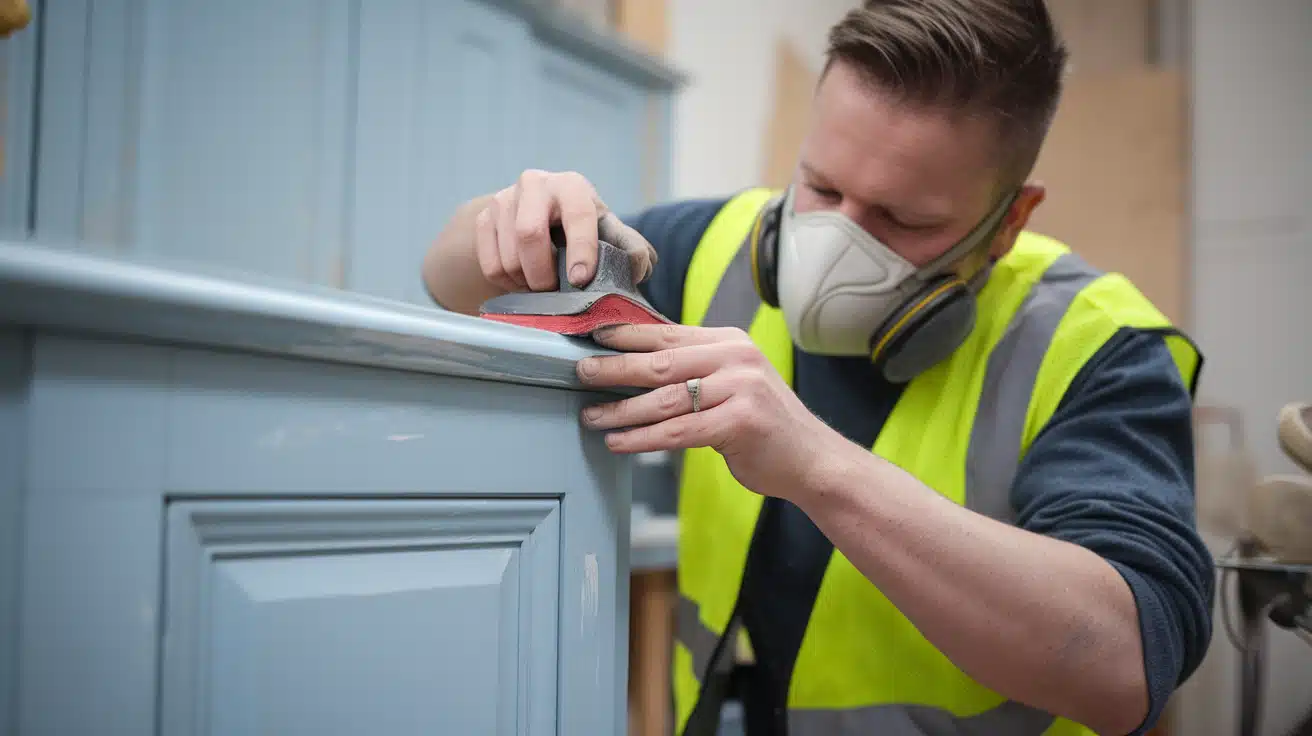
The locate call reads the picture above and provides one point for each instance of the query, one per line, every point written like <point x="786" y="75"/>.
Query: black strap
<point x="717" y="680"/>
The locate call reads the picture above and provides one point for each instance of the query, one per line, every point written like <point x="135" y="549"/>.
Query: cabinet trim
<point x="252" y="526"/>
<point x="57" y="288"/>
<point x="608" y="50"/>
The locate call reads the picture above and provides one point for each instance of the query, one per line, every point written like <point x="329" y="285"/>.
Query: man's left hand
<point x="746" y="412"/>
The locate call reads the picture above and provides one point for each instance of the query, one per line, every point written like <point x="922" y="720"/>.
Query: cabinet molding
<point x="61" y="288"/>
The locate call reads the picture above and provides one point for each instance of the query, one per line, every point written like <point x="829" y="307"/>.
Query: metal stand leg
<point x="1269" y="593"/>
<point x="1253" y="668"/>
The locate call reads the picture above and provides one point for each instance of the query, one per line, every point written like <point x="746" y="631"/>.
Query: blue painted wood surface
<point x="283" y="510"/>
<point x="284" y="604"/>
<point x="14" y="380"/>
<point x="18" y="73"/>
<point x="588" y="121"/>
<point x="441" y="119"/>
<point x="322" y="140"/>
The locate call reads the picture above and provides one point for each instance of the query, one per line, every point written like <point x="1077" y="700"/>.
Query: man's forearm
<point x="451" y="271"/>
<point x="1041" y="621"/>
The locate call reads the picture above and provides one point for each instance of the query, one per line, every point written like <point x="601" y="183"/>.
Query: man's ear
<point x="1030" y="197"/>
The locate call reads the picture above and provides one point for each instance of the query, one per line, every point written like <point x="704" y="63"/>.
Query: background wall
<point x="728" y="48"/>
<point x="1252" y="258"/>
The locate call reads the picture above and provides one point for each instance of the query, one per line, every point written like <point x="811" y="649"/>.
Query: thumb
<point x="641" y="253"/>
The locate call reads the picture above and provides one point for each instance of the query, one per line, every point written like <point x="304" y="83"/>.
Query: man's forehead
<point x="869" y="141"/>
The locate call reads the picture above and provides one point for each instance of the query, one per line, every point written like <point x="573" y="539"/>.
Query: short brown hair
<point x="1002" y="58"/>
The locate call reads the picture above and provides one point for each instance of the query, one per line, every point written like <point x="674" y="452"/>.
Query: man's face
<point x="919" y="180"/>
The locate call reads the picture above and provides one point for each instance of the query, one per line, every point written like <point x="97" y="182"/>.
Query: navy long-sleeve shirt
<point x="1112" y="471"/>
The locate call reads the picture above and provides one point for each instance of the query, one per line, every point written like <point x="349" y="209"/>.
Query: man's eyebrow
<point x="811" y="173"/>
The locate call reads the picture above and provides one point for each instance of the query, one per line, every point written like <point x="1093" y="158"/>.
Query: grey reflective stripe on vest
<point x="888" y="720"/>
<point x="999" y="428"/>
<point x="735" y="300"/>
<point x="917" y="720"/>
<point x="991" y="463"/>
<point x="696" y="637"/>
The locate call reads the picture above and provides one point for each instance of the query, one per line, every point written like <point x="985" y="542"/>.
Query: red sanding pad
<point x="608" y="311"/>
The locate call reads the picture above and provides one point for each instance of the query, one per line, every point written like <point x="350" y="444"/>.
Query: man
<point x="938" y="473"/>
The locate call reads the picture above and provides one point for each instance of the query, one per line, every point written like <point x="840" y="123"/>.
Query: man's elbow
<point x="1109" y="689"/>
<point x="1124" y="705"/>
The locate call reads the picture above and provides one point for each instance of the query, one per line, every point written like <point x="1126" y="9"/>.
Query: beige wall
<point x="728" y="47"/>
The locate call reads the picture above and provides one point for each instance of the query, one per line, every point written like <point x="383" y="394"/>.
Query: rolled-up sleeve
<point x="1113" y="471"/>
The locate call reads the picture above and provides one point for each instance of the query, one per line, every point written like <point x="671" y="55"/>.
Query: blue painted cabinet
<point x="209" y="132"/>
<point x="325" y="141"/>
<point x="590" y="121"/>
<point x="229" y="509"/>
<point x="441" y="119"/>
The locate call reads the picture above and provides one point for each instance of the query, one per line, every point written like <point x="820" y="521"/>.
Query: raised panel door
<point x="361" y="616"/>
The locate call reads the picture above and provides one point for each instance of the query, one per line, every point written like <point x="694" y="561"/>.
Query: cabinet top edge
<point x="558" y="27"/>
<point x="49" y="287"/>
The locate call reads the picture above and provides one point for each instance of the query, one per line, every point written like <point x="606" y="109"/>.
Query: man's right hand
<point x="513" y="233"/>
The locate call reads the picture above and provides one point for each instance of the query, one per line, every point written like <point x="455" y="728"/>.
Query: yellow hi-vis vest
<point x="961" y="428"/>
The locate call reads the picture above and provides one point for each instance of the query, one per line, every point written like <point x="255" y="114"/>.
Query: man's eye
<point x="910" y="227"/>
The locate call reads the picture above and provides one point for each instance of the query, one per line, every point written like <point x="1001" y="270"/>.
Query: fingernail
<point x="589" y="367"/>
<point x="604" y="333"/>
<point x="592" y="413"/>
<point x="577" y="273"/>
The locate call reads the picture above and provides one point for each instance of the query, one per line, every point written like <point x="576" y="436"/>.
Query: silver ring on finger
<point x="695" y="393"/>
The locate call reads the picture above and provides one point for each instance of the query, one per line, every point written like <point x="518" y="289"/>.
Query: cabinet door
<point x="442" y="117"/>
<point x="208" y="132"/>
<point x="588" y="120"/>
<point x="285" y="617"/>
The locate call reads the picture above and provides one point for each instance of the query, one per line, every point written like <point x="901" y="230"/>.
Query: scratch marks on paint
<point x="590" y="607"/>
<point x="590" y="602"/>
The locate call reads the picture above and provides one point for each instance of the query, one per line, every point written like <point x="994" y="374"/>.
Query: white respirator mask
<point x="844" y="293"/>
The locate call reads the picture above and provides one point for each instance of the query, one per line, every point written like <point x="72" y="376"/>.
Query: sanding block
<point x="611" y="298"/>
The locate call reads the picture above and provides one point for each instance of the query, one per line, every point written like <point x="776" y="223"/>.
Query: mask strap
<point x="981" y="236"/>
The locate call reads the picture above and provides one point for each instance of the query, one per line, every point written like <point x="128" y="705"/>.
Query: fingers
<point x="662" y="367"/>
<point x="641" y="253"/>
<point x="707" y="428"/>
<point x="513" y="233"/>
<point x="656" y="406"/>
<point x="489" y="254"/>
<point x="579" y="210"/>
<point x="532" y="233"/>
<point x="649" y="338"/>
<point x="507" y="245"/>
